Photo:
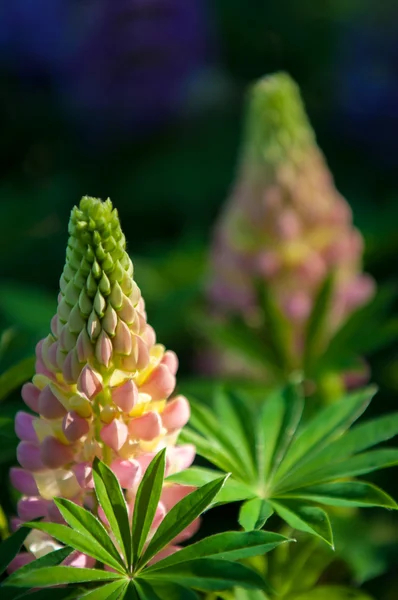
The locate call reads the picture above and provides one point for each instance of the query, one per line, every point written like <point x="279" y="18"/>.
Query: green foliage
<point x="206" y="565"/>
<point x="280" y="464"/>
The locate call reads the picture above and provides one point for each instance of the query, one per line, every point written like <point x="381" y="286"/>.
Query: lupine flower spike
<point x="285" y="222"/>
<point x="101" y="386"/>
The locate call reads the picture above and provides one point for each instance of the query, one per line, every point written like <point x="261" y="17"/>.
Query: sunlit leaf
<point x="232" y="545"/>
<point x="113" y="503"/>
<point x="254" y="513"/>
<point x="182" y="515"/>
<point x="146" y="502"/>
<point x="87" y="524"/>
<point x="208" y="574"/>
<point x="310" y="519"/>
<point x="50" y="576"/>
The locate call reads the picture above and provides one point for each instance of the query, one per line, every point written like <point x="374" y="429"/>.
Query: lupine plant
<point x="108" y="498"/>
<point x="286" y="287"/>
<point x="103" y="437"/>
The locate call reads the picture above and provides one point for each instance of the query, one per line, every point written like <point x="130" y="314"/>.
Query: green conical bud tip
<point x="98" y="297"/>
<point x="277" y="127"/>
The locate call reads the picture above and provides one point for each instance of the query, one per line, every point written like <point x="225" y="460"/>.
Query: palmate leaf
<point x="180" y="516"/>
<point x="300" y="466"/>
<point x="49" y="560"/>
<point x="206" y="565"/>
<point x="88" y="525"/>
<point x="80" y="542"/>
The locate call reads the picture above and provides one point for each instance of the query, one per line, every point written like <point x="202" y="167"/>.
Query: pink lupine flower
<point x="285" y="223"/>
<point x="101" y="387"/>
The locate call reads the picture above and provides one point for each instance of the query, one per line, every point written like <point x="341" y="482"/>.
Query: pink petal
<point x="30" y="395"/>
<point x="74" y="426"/>
<point x="176" y="413"/>
<point x="29" y="456"/>
<point x="172" y="494"/>
<point x="84" y="475"/>
<point x="127" y="472"/>
<point x="125" y="396"/>
<point x="180" y="458"/>
<point x="147" y="427"/>
<point x="159" y="384"/>
<point x="54" y="454"/>
<point x="24" y="427"/>
<point x="32" y="508"/>
<point x="89" y="382"/>
<point x="170" y="360"/>
<point x="49" y="405"/>
<point x="79" y="560"/>
<point x="114" y="434"/>
<point x="23" y="481"/>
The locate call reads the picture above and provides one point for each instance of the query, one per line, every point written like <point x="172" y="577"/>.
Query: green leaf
<point x="43" y="594"/>
<point x="87" y="524"/>
<point x="163" y="591"/>
<point x="346" y="493"/>
<point x="146" y="502"/>
<point x="360" y="437"/>
<point x="74" y="538"/>
<point x="109" y="591"/>
<point x="11" y="546"/>
<point x="359" y="464"/>
<point x="294" y="404"/>
<point x="15" y="376"/>
<point x="232" y="545"/>
<point x="333" y="592"/>
<point x="208" y="425"/>
<point x="268" y="430"/>
<point x="330" y="423"/>
<point x="254" y="513"/>
<point x="232" y="491"/>
<point x="111" y="499"/>
<point x="310" y="519"/>
<point x="50" y="576"/>
<point x="51" y="559"/>
<point x="208" y="574"/>
<point x="238" y="419"/>
<point x="315" y="330"/>
<point x="210" y="450"/>
<point x="181" y="515"/>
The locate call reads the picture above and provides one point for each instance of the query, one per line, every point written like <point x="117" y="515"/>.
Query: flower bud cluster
<point x="101" y="386"/>
<point x="286" y="224"/>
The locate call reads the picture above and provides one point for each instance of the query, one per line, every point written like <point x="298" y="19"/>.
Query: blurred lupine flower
<point x="101" y="386"/>
<point x="286" y="223"/>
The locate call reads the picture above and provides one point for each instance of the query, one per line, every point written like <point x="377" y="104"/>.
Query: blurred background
<point x="142" y="101"/>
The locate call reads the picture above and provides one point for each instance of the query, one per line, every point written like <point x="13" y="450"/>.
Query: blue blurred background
<point x="142" y="101"/>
